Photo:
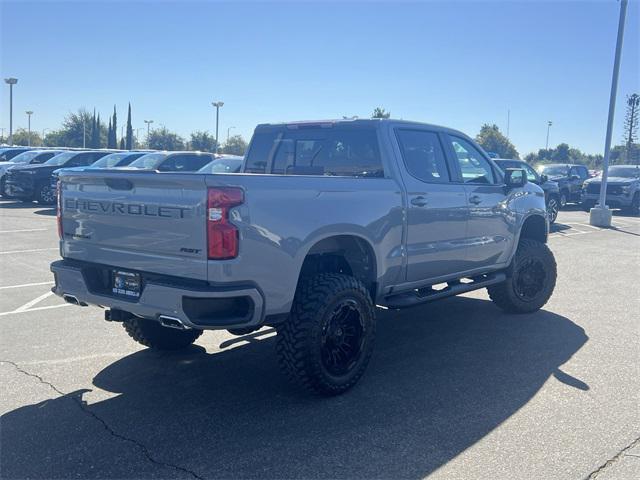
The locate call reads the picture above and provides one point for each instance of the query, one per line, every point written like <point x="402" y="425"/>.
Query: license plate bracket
<point x="127" y="284"/>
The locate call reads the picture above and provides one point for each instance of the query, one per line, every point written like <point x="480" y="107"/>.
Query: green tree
<point x="21" y="137"/>
<point x="95" y="131"/>
<point x="236" y="145"/>
<point x="380" y="112"/>
<point x="129" y="142"/>
<point x="492" y="140"/>
<point x="122" y="144"/>
<point x="203" y="141"/>
<point x="113" y="139"/>
<point x="163" y="139"/>
<point x="74" y="126"/>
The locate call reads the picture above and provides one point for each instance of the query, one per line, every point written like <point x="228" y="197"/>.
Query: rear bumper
<point x="619" y="201"/>
<point x="203" y="307"/>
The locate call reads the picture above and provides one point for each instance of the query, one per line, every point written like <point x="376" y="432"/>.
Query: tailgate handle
<point x="118" y="183"/>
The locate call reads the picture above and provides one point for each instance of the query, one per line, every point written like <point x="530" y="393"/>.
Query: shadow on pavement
<point x="443" y="376"/>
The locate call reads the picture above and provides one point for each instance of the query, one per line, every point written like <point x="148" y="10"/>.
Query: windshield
<point x="555" y="170"/>
<point x="222" y="165"/>
<point x="531" y="174"/>
<point x="113" y="160"/>
<point x="149" y="161"/>
<point x="625" y="172"/>
<point x="60" y="159"/>
<point x="26" y="157"/>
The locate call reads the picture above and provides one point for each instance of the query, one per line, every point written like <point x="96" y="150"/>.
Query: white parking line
<point x="26" y="285"/>
<point x="28" y="251"/>
<point x="26" y="230"/>
<point x="31" y="303"/>
<point x="2" y="314"/>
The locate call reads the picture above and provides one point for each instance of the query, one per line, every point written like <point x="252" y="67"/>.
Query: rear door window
<point x="345" y="151"/>
<point x="423" y="155"/>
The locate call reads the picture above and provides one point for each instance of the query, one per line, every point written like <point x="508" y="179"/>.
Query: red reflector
<point x="59" y="211"/>
<point x="222" y="235"/>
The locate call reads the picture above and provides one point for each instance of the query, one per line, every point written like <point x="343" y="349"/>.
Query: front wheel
<point x="553" y="206"/>
<point x="153" y="335"/>
<point x="326" y="343"/>
<point x="564" y="198"/>
<point x="46" y="195"/>
<point x="530" y="282"/>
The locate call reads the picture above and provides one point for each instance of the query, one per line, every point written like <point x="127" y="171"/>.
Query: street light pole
<point x="29" y="113"/>
<point x="217" y="105"/>
<point x="148" y="122"/>
<point x="11" y="82"/>
<point x="600" y="216"/>
<point x="228" y="130"/>
<point x="549" y="123"/>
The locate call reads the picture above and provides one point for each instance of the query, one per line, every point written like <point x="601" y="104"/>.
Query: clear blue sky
<point x="458" y="64"/>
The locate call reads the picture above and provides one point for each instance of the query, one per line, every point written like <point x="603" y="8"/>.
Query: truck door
<point x="436" y="208"/>
<point x="492" y="219"/>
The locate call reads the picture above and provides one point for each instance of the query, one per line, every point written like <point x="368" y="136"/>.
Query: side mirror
<point x="514" y="178"/>
<point x="544" y="178"/>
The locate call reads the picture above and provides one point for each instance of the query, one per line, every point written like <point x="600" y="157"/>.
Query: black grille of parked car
<point x="611" y="189"/>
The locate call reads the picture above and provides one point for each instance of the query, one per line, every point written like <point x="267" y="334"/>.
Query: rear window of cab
<point x="344" y="151"/>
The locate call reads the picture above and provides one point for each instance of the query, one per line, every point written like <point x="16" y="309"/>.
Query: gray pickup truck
<point x="326" y="221"/>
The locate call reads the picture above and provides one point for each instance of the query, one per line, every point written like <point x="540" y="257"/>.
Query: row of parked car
<point x="565" y="184"/>
<point x="31" y="174"/>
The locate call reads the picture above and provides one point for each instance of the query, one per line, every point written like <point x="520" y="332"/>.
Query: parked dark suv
<point x="551" y="188"/>
<point x="33" y="182"/>
<point x="569" y="178"/>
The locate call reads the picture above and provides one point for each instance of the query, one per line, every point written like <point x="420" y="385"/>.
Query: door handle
<point x="419" y="201"/>
<point x="475" y="199"/>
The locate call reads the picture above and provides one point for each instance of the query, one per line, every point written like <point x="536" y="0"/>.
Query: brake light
<point x="222" y="236"/>
<point x="59" y="210"/>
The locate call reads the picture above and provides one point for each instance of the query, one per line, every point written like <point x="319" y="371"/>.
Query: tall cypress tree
<point x="129" y="143"/>
<point x="122" y="144"/>
<point x="114" y="127"/>
<point x="99" y="132"/>
<point x="95" y="133"/>
<point x="109" y="135"/>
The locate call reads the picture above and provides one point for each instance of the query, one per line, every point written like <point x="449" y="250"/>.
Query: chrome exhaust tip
<point x="73" y="300"/>
<point x="172" y="322"/>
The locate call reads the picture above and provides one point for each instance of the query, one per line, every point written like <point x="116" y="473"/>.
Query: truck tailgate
<point x="145" y="221"/>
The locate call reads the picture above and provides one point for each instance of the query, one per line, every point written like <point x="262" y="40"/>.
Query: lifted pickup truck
<point x="326" y="221"/>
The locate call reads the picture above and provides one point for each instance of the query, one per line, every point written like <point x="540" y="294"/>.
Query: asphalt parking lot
<point x="455" y="390"/>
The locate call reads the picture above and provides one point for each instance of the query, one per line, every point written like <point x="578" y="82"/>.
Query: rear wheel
<point x="45" y="195"/>
<point x="153" y="335"/>
<point x="326" y="344"/>
<point x="531" y="280"/>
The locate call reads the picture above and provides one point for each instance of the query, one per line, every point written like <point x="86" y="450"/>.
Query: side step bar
<point x="454" y="287"/>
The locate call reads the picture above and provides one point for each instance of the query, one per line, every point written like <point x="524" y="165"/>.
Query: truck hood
<point x="612" y="181"/>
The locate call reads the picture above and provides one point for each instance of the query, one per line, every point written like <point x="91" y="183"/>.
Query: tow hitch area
<point x="115" y="315"/>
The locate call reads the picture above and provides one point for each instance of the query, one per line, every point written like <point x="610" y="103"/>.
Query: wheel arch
<point x="346" y="253"/>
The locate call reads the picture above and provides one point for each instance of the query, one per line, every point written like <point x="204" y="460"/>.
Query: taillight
<point x="222" y="235"/>
<point x="59" y="212"/>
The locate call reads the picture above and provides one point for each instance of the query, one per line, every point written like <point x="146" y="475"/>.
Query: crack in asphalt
<point x="145" y="451"/>
<point x="612" y="460"/>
